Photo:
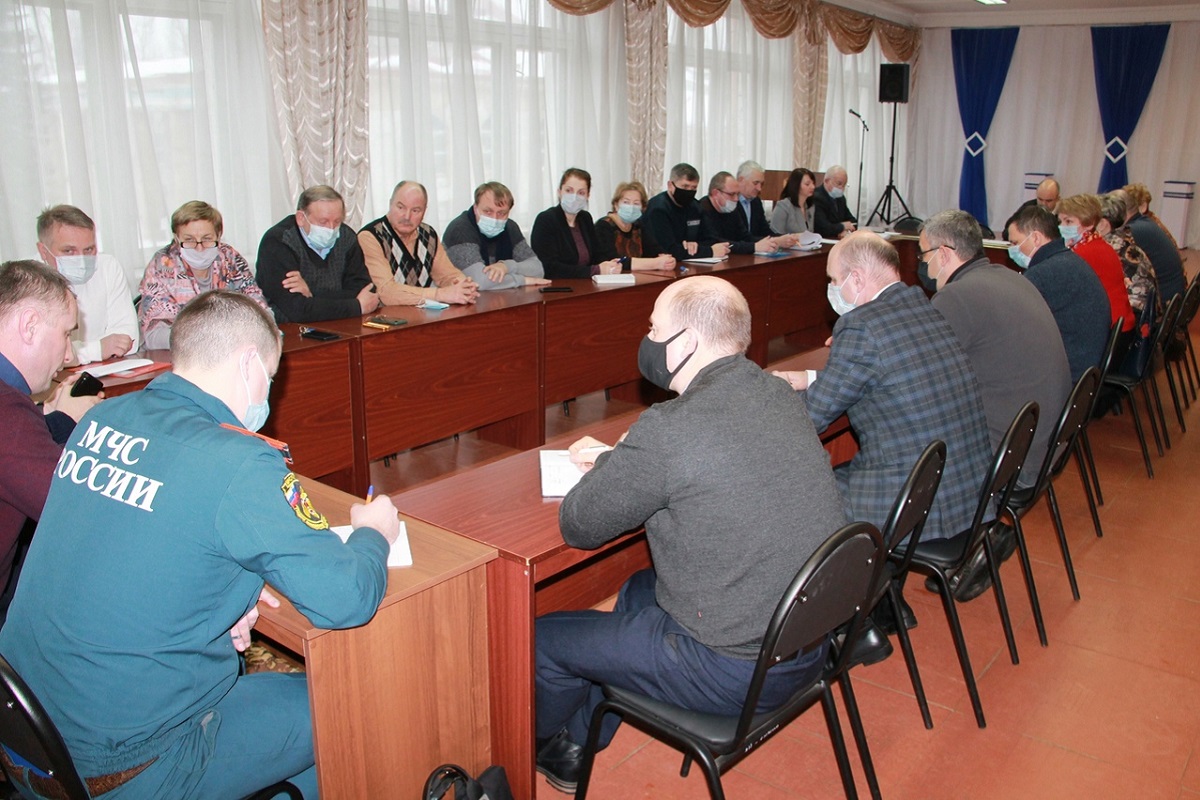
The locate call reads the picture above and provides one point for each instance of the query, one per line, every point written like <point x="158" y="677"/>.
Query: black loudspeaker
<point x="893" y="83"/>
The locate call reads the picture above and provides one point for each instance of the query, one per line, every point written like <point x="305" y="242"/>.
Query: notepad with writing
<point x="559" y="475"/>
<point x="400" y="555"/>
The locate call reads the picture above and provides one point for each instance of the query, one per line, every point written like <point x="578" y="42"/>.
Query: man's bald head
<point x="1048" y="193"/>
<point x="711" y="307"/>
<point x="867" y="253"/>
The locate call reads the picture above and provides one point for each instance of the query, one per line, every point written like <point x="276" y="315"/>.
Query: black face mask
<point x="683" y="197"/>
<point x="930" y="284"/>
<point x="652" y="361"/>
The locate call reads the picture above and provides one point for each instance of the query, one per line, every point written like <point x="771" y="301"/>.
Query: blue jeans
<point x="640" y="647"/>
<point x="258" y="734"/>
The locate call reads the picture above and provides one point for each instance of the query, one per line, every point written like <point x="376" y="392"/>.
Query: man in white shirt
<point x="107" y="322"/>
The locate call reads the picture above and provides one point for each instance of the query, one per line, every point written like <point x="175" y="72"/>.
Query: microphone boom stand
<point x="862" y="149"/>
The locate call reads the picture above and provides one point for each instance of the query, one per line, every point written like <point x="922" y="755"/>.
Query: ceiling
<point x="969" y="13"/>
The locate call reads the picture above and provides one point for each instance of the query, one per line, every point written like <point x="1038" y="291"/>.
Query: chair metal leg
<point x="1174" y="394"/>
<point x="860" y="735"/>
<point x="910" y="659"/>
<point x="1180" y="363"/>
<point x="839" y="743"/>
<point x="1158" y="406"/>
<point x="960" y="645"/>
<point x="589" y="750"/>
<point x="1062" y="539"/>
<point x="1194" y="367"/>
<point x="1030" y="587"/>
<point x="1137" y="426"/>
<point x="1091" y="463"/>
<point x="1001" y="602"/>
<point x="1154" y="428"/>
<point x="1087" y="484"/>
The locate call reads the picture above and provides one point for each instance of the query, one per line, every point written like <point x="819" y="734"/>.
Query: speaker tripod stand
<point x="883" y="209"/>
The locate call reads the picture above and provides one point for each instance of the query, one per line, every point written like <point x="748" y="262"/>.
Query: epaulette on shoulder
<point x="282" y="447"/>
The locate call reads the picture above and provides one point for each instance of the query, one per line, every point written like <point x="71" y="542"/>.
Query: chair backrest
<point x="1165" y="329"/>
<point x="1135" y="361"/>
<point x="26" y="729"/>
<point x="1114" y="333"/>
<point x="1002" y="476"/>
<point x="1075" y="414"/>
<point x="907" y="518"/>
<point x="1191" y="303"/>
<point x="830" y="589"/>
<point x="1173" y="345"/>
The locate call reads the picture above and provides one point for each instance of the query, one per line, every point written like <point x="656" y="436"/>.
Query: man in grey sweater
<point x="735" y="493"/>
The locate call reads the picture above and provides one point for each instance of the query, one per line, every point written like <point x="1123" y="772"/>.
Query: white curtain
<point x="1048" y="120"/>
<point x="729" y="96"/>
<point x="506" y="90"/>
<point x="128" y="109"/>
<point x="854" y="84"/>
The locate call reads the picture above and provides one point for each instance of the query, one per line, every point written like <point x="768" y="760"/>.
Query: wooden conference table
<point x="501" y="505"/>
<point x="408" y="691"/>
<point x="495" y="366"/>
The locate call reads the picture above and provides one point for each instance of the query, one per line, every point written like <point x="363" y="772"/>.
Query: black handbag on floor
<point x="492" y="784"/>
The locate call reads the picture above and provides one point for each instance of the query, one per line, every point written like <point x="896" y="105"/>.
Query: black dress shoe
<point x="1004" y="541"/>
<point x="871" y="647"/>
<point x="886" y="620"/>
<point x="561" y="761"/>
<point x="970" y="581"/>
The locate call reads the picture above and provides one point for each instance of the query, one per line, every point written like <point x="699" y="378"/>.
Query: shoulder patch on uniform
<point x="297" y="498"/>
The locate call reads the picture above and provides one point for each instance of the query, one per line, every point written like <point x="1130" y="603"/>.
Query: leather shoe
<point x="561" y="761"/>
<point x="886" y="620"/>
<point x="969" y="582"/>
<point x="871" y="647"/>
<point x="1004" y="541"/>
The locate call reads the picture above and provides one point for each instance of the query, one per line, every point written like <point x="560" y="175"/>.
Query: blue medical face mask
<point x="629" y="212"/>
<point x="1019" y="258"/>
<point x="840" y="304"/>
<point x="257" y="413"/>
<point x="836" y="193"/>
<point x="1070" y="234"/>
<point x="77" y="270"/>
<point x="320" y="237"/>
<point x="490" y="226"/>
<point x="572" y="203"/>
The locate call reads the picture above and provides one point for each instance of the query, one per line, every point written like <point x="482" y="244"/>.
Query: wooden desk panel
<point x="469" y="370"/>
<point x="799" y="307"/>
<point x="591" y="336"/>
<point x="406" y="692"/>
<point x="315" y="408"/>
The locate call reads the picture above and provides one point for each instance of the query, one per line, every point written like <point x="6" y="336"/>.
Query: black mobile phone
<point x="391" y="322"/>
<point x="320" y="336"/>
<point x="87" y="386"/>
<point x="549" y="289"/>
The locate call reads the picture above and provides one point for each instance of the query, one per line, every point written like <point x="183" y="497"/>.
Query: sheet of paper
<point x="100" y="370"/>
<point x="559" y="475"/>
<point x="401" y="554"/>
<point x="620" y="279"/>
<point x="809" y="240"/>
<point x="713" y="260"/>
<point x="829" y="241"/>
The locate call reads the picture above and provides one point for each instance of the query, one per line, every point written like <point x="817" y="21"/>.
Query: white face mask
<point x="572" y="203"/>
<point x="199" y="259"/>
<point x="840" y="304"/>
<point x="76" y="269"/>
<point x="728" y="206"/>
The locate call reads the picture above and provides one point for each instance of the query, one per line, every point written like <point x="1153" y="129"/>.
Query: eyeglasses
<point x="194" y="244"/>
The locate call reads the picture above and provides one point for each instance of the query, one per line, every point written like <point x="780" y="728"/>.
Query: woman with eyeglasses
<point x="195" y="261"/>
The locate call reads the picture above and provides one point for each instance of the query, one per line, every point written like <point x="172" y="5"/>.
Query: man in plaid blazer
<point x="898" y="372"/>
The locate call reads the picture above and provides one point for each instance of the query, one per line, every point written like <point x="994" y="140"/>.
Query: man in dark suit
<point x="750" y="178"/>
<point x="722" y="220"/>
<point x="832" y="217"/>
<point x="1048" y="193"/>
<point x="897" y="371"/>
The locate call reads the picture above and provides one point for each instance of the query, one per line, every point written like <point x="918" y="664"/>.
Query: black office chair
<point x="831" y="588"/>
<point x="1063" y="441"/>
<point x="904" y="525"/>
<point x="1174" y="351"/>
<point x="940" y="557"/>
<point x="26" y="729"/>
<point x="1127" y="384"/>
<point x="1083" y="454"/>
<point x="1191" y="305"/>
